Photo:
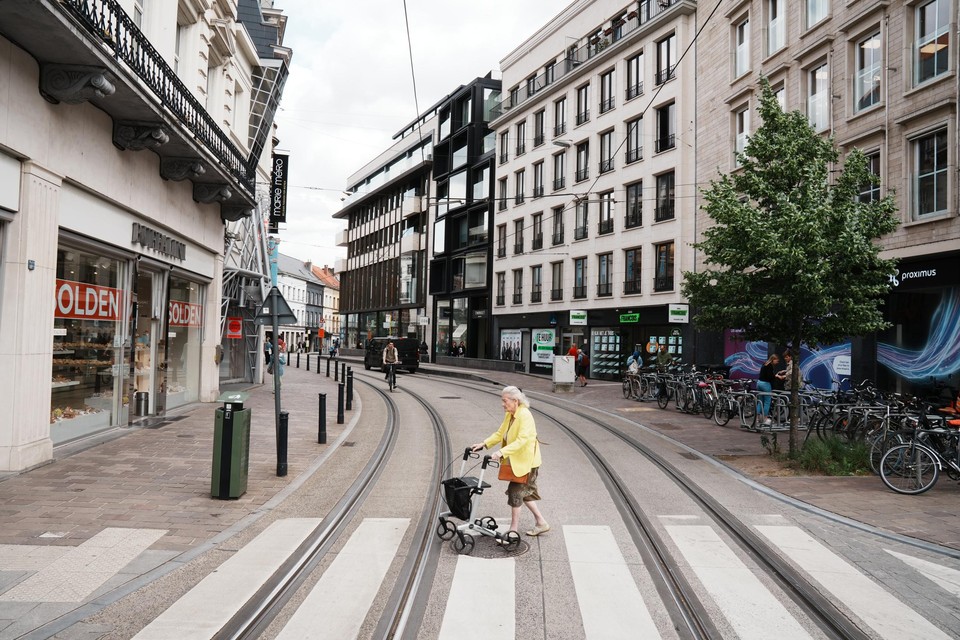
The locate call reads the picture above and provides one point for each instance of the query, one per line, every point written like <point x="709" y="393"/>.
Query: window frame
<point x="939" y="172"/>
<point x="862" y="71"/>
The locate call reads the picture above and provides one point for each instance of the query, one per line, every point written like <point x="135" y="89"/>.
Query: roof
<point x="327" y="276"/>
<point x="290" y="266"/>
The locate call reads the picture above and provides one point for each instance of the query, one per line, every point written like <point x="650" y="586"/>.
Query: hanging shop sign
<point x="278" y="188"/>
<point x="160" y="242"/>
<point x="82" y="301"/>
<point x="578" y="317"/>
<point x="234" y="328"/>
<point x="185" y="314"/>
<point x="679" y="313"/>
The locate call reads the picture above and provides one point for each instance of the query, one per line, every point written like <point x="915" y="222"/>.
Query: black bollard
<point x="322" y="427"/>
<point x="282" y="445"/>
<point x="349" y="388"/>
<point x="343" y="371"/>
<point x="328" y="366"/>
<point x="298" y="359"/>
<point x="336" y="371"/>
<point x="308" y="363"/>
<point x="340" y="403"/>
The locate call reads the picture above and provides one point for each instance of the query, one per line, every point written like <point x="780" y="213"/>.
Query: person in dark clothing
<point x="768" y="375"/>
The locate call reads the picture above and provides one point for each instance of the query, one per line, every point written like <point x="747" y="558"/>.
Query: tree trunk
<point x="795" y="382"/>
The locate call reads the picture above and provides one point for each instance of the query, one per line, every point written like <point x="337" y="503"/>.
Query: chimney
<point x="309" y="265"/>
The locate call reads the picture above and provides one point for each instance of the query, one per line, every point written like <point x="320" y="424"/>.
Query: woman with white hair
<point x="519" y="446"/>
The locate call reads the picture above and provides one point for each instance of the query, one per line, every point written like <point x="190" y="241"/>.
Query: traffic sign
<point x="283" y="312"/>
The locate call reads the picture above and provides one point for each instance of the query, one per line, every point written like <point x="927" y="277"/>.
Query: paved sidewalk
<point x="95" y="503"/>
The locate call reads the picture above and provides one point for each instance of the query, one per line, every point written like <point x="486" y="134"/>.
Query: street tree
<point x="792" y="254"/>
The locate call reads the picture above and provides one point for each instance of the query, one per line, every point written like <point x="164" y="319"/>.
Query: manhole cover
<point x="486" y="547"/>
<point x="348" y="444"/>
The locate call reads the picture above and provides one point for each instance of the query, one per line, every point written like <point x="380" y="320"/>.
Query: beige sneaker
<point x="537" y="530"/>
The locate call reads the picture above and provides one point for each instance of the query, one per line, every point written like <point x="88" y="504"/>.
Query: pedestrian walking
<point x="583" y="366"/>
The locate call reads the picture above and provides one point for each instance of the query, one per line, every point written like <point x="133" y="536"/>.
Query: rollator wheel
<point x="463" y="544"/>
<point x="511" y="541"/>
<point x="488" y="522"/>
<point x="446" y="530"/>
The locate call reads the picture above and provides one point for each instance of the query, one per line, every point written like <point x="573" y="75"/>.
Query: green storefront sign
<point x="629" y="318"/>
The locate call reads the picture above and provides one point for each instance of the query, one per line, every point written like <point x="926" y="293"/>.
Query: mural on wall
<point x="825" y="367"/>
<point x="940" y="355"/>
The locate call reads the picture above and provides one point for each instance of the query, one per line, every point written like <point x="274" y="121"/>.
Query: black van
<point x="408" y="350"/>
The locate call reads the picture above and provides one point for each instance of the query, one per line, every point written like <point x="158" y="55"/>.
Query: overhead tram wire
<point x="413" y="76"/>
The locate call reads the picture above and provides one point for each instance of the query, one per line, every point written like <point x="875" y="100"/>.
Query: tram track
<point x="677" y="594"/>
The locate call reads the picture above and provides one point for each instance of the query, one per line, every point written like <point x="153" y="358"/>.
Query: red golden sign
<point x="234" y="328"/>
<point x="87" y="302"/>
<point x="185" y="314"/>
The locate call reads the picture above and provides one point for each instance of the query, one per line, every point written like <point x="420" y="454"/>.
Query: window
<point x="818" y="97"/>
<point x="634" y="140"/>
<point x="663" y="278"/>
<point x="536" y="283"/>
<point x="582" y="219"/>
<point x="870" y="191"/>
<point x="459" y="153"/>
<point x="464" y="112"/>
<point x="538" y="127"/>
<point x="665" y="197"/>
<point x="521" y="138"/>
<point x="583" y="104"/>
<point x="538" y="180"/>
<point x="631" y="271"/>
<point x="604" y="274"/>
<point x="816" y="10"/>
<point x="932" y="47"/>
<point x="580" y="278"/>
<point x="557" y="225"/>
<point x="606" y="213"/>
<point x="607" y="99"/>
<point x="518" y="236"/>
<point x="560" y="117"/>
<point x="606" y="151"/>
<point x="517" y="286"/>
<point x="780" y="93"/>
<point x="583" y="162"/>
<point x="930" y="168"/>
<point x="666" y="58"/>
<point x="481" y="188"/>
<point x="501" y="240"/>
<point x="634" y="76"/>
<point x="666" y="135"/>
<point x="504" y="148"/>
<point x="477" y="231"/>
<point x="634" y="216"/>
<point x="518" y="179"/>
<point x="742" y="52"/>
<point x="559" y="170"/>
<point x="866" y="83"/>
<point x="138" y="11"/>
<point x="549" y="71"/>
<point x="531" y="85"/>
<point x="556" y="281"/>
<point x="537" y="231"/>
<point x="742" y="123"/>
<point x="501" y="194"/>
<point x="501" y="287"/>
<point x="776" y="26"/>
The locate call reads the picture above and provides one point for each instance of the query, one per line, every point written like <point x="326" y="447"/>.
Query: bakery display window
<point x="91" y="304"/>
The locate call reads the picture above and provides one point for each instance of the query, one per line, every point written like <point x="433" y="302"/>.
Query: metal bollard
<point x="322" y="427"/>
<point x="308" y="363"/>
<point x="328" y="366"/>
<point x="349" y="388"/>
<point x="343" y="371"/>
<point x="282" y="444"/>
<point x="336" y="371"/>
<point x="340" y="403"/>
<point x="298" y="359"/>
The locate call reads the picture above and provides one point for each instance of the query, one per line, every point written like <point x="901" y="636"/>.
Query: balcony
<point x="663" y="283"/>
<point x="535" y="296"/>
<point x="340" y="265"/>
<point x="342" y="237"/>
<point x="521" y="149"/>
<point x="579" y="293"/>
<point x="604" y="290"/>
<point x="634" y="217"/>
<point x="558" y="238"/>
<point x="580" y="233"/>
<point x="605" y="226"/>
<point x="518" y="199"/>
<point x="664" y="211"/>
<point x="663" y="75"/>
<point x="502" y="203"/>
<point x="500" y="300"/>
<point x="518" y="297"/>
<point x="631" y="286"/>
<point x="607" y="104"/>
<point x="115" y="68"/>
<point x="556" y="294"/>
<point x="501" y="251"/>
<point x="411" y="205"/>
<point x="538" y="139"/>
<point x="410" y="242"/>
<point x="559" y="183"/>
<point x="518" y="247"/>
<point x="633" y="155"/>
<point x="582" y="174"/>
<point x="538" y="192"/>
<point x="664" y="143"/>
<point x="634" y="90"/>
<point x="504" y="156"/>
<point x="606" y="165"/>
<point x="560" y="129"/>
<point x="537" y="241"/>
<point x="583" y="116"/>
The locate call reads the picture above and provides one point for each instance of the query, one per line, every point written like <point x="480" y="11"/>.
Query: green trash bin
<point x="231" y="447"/>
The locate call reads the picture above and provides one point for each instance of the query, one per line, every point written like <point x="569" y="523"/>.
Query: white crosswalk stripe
<point x="481" y="602"/>
<point x="338" y="603"/>
<point x="880" y="610"/>
<point x="203" y="610"/>
<point x="610" y="602"/>
<point x="948" y="579"/>
<point x="745" y="602"/>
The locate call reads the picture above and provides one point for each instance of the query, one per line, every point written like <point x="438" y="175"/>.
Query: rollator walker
<point x="458" y="493"/>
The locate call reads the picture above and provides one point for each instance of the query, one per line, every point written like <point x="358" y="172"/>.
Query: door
<point x="149" y="353"/>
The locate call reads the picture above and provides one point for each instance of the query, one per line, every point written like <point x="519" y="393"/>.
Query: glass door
<point x="148" y="354"/>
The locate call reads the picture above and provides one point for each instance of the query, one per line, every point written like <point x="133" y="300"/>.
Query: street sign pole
<point x="274" y="292"/>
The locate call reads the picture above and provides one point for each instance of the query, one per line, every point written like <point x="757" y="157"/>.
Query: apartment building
<point x="132" y="133"/>
<point x="330" y="307"/>
<point x="595" y="194"/>
<point x="876" y="75"/>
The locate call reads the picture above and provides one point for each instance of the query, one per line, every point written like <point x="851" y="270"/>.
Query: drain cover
<point x="348" y="444"/>
<point x="486" y="547"/>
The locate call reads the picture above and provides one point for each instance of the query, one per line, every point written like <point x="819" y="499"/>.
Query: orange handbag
<point x="506" y="473"/>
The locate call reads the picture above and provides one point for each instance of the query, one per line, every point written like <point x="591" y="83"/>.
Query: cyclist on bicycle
<point x="390" y="359"/>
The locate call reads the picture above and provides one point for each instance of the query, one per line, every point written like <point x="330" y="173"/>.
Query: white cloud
<point x="350" y="89"/>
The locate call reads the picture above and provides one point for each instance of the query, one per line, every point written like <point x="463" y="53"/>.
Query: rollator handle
<point x="467" y="452"/>
<point x="486" y="462"/>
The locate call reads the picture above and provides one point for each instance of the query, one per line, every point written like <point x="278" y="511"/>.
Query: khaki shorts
<point x="518" y="493"/>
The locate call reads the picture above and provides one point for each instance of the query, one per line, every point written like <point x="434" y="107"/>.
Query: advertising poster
<point x="544" y="343"/>
<point x="510" y="341"/>
<point x="825" y="367"/>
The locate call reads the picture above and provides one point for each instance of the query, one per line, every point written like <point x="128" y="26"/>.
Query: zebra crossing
<point x="483" y="591"/>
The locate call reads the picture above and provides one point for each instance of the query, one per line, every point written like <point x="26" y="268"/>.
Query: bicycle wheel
<point x="642" y="389"/>
<point x="880" y="445"/>
<point x="909" y="468"/>
<point x="627" y="388"/>
<point x="663" y="397"/>
<point x="723" y="410"/>
<point x="748" y="412"/>
<point x="707" y="403"/>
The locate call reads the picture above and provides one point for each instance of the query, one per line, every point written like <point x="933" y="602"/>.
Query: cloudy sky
<point x="350" y="88"/>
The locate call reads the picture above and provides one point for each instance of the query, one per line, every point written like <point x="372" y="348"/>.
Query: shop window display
<point x="185" y="322"/>
<point x="86" y="391"/>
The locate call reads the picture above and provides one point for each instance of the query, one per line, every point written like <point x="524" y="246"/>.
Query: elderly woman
<point x="517" y="437"/>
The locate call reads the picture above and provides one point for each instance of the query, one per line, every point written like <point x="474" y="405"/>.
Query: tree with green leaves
<point x="792" y="255"/>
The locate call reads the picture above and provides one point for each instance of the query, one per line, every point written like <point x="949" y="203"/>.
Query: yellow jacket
<point x="522" y="448"/>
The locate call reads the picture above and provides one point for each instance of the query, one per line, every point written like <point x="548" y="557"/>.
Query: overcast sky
<point x="350" y="89"/>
